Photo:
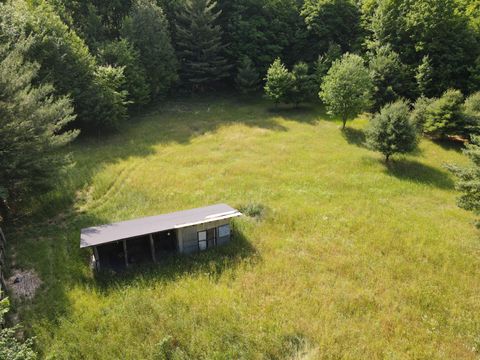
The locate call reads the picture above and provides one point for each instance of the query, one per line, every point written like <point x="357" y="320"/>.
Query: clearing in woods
<point x="351" y="259"/>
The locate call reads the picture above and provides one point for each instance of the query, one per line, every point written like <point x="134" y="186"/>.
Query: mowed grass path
<point x="351" y="260"/>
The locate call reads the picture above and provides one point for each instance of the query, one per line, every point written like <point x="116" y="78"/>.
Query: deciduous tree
<point x="391" y="132"/>
<point x="347" y="87"/>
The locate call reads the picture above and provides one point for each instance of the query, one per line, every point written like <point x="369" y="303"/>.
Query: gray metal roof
<point x="127" y="229"/>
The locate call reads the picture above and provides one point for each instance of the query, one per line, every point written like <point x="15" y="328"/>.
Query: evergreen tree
<point x="247" y="78"/>
<point x="347" y="87"/>
<point x="64" y="59"/>
<point x="304" y="86"/>
<point x="199" y="44"/>
<point x="391" y="132"/>
<point x="468" y="179"/>
<point x="419" y="113"/>
<point x="279" y="82"/>
<point x="424" y="77"/>
<point x="31" y="128"/>
<point x="146" y="28"/>
<point x="444" y="116"/>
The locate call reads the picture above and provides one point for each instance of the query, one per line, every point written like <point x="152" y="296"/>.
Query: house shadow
<point x="416" y="172"/>
<point x="213" y="262"/>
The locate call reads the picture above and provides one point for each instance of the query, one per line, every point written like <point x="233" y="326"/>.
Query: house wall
<point x="187" y="237"/>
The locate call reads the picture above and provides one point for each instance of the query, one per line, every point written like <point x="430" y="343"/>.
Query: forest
<point x="75" y="74"/>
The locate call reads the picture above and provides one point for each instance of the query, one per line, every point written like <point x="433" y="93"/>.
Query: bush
<point x="444" y="116"/>
<point x="468" y="179"/>
<point x="10" y="347"/>
<point x="391" y="132"/>
<point x="419" y="113"/>
<point x="471" y="109"/>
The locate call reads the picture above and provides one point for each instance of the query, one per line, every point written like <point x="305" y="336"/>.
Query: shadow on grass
<point x="447" y="144"/>
<point x="416" y="172"/>
<point x="212" y="262"/>
<point x="354" y="136"/>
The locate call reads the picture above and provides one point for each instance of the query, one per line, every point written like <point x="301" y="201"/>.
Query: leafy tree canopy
<point x="347" y="87"/>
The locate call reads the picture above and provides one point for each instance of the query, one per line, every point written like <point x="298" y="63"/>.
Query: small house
<point x="121" y="244"/>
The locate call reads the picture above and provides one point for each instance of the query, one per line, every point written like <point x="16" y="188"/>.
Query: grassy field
<point x="350" y="260"/>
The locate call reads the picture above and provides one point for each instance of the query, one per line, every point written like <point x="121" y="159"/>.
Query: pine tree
<point x="424" y="77"/>
<point x="31" y="128"/>
<point x="279" y="82"/>
<point x="391" y="132"/>
<point x="304" y="85"/>
<point x="247" y="76"/>
<point x="199" y="44"/>
<point x="468" y="179"/>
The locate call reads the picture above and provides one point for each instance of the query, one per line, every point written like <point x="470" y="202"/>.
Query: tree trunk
<point x="387" y="158"/>
<point x="344" y="119"/>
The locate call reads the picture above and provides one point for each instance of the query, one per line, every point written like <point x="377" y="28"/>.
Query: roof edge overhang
<point x="208" y="219"/>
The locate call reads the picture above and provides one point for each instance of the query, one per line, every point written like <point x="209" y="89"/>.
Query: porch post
<point x="152" y="248"/>
<point x="97" y="258"/>
<point x="125" y="252"/>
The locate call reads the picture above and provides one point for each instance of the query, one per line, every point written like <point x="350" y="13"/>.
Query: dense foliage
<point x="391" y="132"/>
<point x="10" y="347"/>
<point x="199" y="43"/>
<point x="146" y="28"/>
<point x="347" y="87"/>
<point x="469" y="179"/>
<point x="30" y="128"/>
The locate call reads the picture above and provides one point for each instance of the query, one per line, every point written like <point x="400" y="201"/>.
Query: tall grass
<point x="352" y="260"/>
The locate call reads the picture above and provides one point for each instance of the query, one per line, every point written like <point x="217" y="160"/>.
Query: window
<point x="224" y="230"/>
<point x="202" y="240"/>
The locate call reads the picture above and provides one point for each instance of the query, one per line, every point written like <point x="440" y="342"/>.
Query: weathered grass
<point x="352" y="260"/>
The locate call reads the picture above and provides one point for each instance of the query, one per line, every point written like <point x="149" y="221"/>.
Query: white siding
<point x="187" y="237"/>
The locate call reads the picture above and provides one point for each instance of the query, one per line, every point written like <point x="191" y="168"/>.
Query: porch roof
<point x="102" y="234"/>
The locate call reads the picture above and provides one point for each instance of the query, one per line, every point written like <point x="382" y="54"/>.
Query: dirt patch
<point x="23" y="284"/>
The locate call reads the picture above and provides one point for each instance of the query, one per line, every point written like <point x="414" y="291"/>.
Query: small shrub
<point x="444" y="116"/>
<point x="253" y="210"/>
<point x="391" y="132"/>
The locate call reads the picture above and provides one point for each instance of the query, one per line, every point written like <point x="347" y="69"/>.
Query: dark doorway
<point x="111" y="255"/>
<point x="165" y="242"/>
<point x="138" y="250"/>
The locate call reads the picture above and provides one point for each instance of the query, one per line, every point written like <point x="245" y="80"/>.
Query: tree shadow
<point x="213" y="262"/>
<point x="354" y="136"/>
<point x="448" y="144"/>
<point x="416" y="172"/>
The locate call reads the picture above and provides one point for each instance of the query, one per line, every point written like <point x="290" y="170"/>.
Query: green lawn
<point x="351" y="259"/>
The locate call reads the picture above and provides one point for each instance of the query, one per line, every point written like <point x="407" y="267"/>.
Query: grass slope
<point x="352" y="259"/>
